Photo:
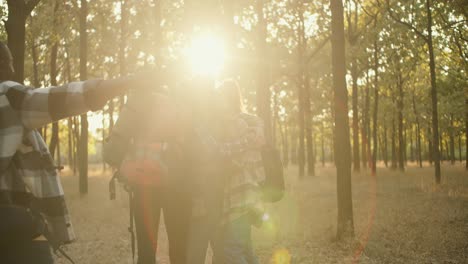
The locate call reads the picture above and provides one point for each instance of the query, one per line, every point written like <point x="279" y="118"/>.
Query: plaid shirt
<point x="27" y="173"/>
<point x="242" y="189"/>
<point x="244" y="173"/>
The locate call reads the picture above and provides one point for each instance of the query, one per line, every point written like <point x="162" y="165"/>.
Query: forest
<point x="366" y="101"/>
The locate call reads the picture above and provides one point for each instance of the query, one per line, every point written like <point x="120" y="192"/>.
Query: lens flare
<point x="281" y="256"/>
<point x="206" y="55"/>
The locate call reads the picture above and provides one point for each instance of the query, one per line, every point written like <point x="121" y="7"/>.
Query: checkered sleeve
<point x="38" y="107"/>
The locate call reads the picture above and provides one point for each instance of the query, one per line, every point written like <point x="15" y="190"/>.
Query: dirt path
<point x="399" y="218"/>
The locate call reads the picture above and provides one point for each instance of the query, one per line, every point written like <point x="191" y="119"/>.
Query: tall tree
<point x="54" y="139"/>
<point x="427" y="36"/>
<point x="343" y="154"/>
<point x="83" y="149"/>
<point x="263" y="89"/>
<point x="15" y="25"/>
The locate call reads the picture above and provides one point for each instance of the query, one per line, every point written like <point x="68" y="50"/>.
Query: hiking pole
<point x="130" y="228"/>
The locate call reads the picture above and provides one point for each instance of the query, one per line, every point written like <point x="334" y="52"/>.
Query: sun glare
<point x="206" y="55"/>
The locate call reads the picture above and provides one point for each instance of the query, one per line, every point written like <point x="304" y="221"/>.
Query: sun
<point x="206" y="54"/>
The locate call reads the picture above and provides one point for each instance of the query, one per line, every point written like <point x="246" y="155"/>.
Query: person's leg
<point x="147" y="212"/>
<point x="33" y="252"/>
<point x="177" y="218"/>
<point x="234" y="243"/>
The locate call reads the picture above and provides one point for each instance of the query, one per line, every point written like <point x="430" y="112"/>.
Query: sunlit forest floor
<point x="398" y="217"/>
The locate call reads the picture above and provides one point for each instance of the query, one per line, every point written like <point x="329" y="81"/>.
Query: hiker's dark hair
<point x="6" y="63"/>
<point x="230" y="88"/>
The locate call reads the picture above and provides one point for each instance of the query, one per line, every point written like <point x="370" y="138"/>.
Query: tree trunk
<point x="460" y="147"/>
<point x="284" y="139"/>
<point x="452" y="140"/>
<point x="376" y="108"/>
<point x="385" y="146"/>
<point x="323" y="144"/>
<point x="411" y="144"/>
<point x="54" y="140"/>
<point x="83" y="149"/>
<point x="418" y="133"/>
<point x="294" y="147"/>
<point x="365" y="126"/>
<point x="466" y="133"/>
<point x="354" y="77"/>
<point x="70" y="143"/>
<point x="18" y="11"/>
<point x="429" y="141"/>
<point x="263" y="91"/>
<point x="401" y="141"/>
<point x="435" y="115"/>
<point x="345" y="225"/>
<point x="394" y="152"/>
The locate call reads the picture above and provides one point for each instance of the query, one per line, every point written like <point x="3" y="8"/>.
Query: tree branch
<point x="316" y="51"/>
<point x="30" y="5"/>
<point x="406" y="24"/>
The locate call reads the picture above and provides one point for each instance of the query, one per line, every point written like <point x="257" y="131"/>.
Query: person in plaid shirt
<point x="241" y="138"/>
<point x="32" y="203"/>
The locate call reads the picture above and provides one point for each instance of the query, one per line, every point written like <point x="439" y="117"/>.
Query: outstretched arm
<point x="38" y="107"/>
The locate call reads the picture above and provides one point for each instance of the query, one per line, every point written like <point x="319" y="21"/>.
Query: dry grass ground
<point x="399" y="218"/>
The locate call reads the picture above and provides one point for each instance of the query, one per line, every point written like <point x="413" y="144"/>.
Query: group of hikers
<point x="189" y="151"/>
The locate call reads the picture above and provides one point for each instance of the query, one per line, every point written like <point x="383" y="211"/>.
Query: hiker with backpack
<point x="33" y="212"/>
<point x="144" y="148"/>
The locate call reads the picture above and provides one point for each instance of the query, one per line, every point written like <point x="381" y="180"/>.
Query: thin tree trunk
<point x="385" y="146"/>
<point x="394" y="152"/>
<point x="376" y="108"/>
<point x="323" y="144"/>
<point x="345" y="225"/>
<point x="460" y="148"/>
<point x="466" y="133"/>
<point x="354" y="76"/>
<point x="54" y="140"/>
<point x="365" y="126"/>
<point x="308" y="129"/>
<point x="452" y="140"/>
<point x="401" y="143"/>
<point x="435" y="115"/>
<point x="83" y="149"/>
<point x="263" y="91"/>
<point x="411" y="144"/>
<point x="294" y="147"/>
<point x="70" y="143"/>
<point x="418" y="132"/>
<point x="431" y="149"/>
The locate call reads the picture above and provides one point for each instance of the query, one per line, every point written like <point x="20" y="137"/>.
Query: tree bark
<point x="263" y="91"/>
<point x="15" y="25"/>
<point x="418" y="133"/>
<point x="452" y="140"/>
<point x="435" y="115"/>
<point x="385" y="146"/>
<point x="401" y="141"/>
<point x="376" y="108"/>
<point x="354" y="77"/>
<point x="394" y="152"/>
<point x="460" y="147"/>
<point x="54" y="140"/>
<point x="430" y="149"/>
<point x="83" y="149"/>
<point x="345" y="225"/>
<point x="466" y="133"/>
